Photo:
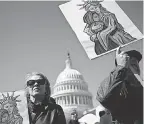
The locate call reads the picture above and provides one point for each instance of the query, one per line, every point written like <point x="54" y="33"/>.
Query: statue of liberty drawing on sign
<point x="103" y="27"/>
<point x="9" y="113"/>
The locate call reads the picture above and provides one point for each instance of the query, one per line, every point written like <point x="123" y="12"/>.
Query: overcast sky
<point x="35" y="36"/>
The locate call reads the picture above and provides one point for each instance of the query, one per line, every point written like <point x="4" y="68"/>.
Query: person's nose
<point x="36" y="83"/>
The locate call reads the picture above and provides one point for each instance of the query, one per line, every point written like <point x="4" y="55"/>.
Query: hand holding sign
<point x="122" y="58"/>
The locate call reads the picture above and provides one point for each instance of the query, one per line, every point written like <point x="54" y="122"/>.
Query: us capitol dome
<point x="71" y="91"/>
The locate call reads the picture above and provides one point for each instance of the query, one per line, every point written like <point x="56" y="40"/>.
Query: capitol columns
<point x="88" y="100"/>
<point x="56" y="100"/>
<point x="74" y="100"/>
<point x="85" y="100"/>
<point x="78" y="100"/>
<point x="70" y="99"/>
<point x="91" y="100"/>
<point x="63" y="100"/>
<point x="59" y="101"/>
<point x="81" y="99"/>
<point x="66" y="100"/>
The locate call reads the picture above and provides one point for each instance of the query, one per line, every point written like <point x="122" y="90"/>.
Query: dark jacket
<point x="73" y="122"/>
<point x="123" y="109"/>
<point x="46" y="113"/>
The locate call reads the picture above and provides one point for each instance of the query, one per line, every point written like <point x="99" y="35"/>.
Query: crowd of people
<point x="121" y="94"/>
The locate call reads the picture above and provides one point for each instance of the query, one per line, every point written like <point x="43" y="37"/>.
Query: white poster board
<point x="110" y="28"/>
<point x="13" y="108"/>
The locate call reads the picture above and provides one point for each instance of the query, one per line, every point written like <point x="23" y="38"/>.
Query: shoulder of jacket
<point x="115" y="70"/>
<point x="118" y="68"/>
<point x="58" y="107"/>
<point x="54" y="106"/>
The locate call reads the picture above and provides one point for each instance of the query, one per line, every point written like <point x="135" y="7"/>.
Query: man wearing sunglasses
<point x="42" y="108"/>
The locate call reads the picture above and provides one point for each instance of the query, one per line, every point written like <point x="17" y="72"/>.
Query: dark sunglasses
<point x="32" y="82"/>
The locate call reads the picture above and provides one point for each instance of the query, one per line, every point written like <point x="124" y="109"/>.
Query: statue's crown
<point x="9" y="99"/>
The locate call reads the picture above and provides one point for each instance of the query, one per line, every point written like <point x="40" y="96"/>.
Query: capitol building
<point x="71" y="91"/>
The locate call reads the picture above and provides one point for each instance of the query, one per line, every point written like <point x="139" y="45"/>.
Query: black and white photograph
<point x="71" y="62"/>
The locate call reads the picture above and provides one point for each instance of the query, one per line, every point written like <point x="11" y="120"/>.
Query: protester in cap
<point x="42" y="108"/>
<point x="74" y="118"/>
<point x="121" y="92"/>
